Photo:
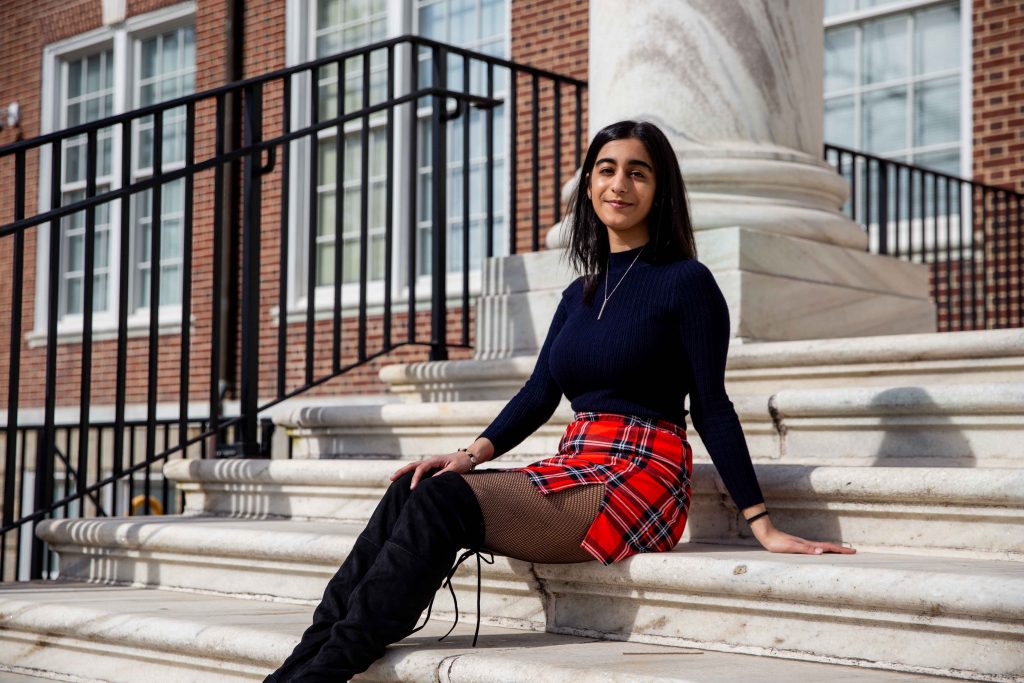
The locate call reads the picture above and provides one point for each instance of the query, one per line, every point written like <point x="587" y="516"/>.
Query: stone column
<point x="737" y="87"/>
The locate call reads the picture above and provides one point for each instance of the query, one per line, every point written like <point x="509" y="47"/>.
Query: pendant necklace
<point x="606" y="294"/>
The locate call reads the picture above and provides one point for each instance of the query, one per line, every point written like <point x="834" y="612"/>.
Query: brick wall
<point x="998" y="142"/>
<point x="998" y="92"/>
<point x="29" y="26"/>
<point x="550" y="35"/>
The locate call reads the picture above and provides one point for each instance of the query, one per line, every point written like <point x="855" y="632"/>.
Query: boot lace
<point x="448" y="582"/>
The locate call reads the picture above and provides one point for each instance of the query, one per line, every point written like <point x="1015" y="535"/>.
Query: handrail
<point x="301" y="355"/>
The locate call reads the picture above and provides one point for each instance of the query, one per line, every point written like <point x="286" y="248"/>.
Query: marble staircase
<point x="937" y="586"/>
<point x="904" y="446"/>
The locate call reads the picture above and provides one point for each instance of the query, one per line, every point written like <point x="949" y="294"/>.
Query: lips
<point x="617" y="205"/>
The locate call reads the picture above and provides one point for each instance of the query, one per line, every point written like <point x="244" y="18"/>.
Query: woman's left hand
<point x="777" y="541"/>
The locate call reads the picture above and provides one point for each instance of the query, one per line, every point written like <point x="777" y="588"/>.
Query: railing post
<point x="248" y="445"/>
<point x="883" y="207"/>
<point x="42" y="496"/>
<point x="439" y="260"/>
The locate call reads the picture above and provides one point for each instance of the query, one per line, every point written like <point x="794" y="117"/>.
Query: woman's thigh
<point x="524" y="524"/>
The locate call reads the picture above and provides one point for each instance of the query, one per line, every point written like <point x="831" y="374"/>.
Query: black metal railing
<point x="84" y="479"/>
<point x="970" y="235"/>
<point x="257" y="310"/>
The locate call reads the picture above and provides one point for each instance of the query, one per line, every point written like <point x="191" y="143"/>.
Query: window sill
<point x="105" y="329"/>
<point x="323" y="305"/>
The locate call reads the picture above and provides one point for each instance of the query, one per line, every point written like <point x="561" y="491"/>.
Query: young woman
<point x="645" y="326"/>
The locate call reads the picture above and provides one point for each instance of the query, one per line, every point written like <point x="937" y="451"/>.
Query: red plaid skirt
<point x="645" y="465"/>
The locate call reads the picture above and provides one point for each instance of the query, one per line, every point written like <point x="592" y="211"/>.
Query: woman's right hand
<point x="452" y="462"/>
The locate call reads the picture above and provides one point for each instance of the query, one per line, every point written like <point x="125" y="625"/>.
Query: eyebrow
<point x="631" y="162"/>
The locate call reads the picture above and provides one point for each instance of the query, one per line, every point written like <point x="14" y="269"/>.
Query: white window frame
<point x="966" y="36"/>
<point x="121" y="39"/>
<point x="300" y="32"/>
<point x="915" y="228"/>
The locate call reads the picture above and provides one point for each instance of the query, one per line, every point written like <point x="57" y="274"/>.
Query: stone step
<point x="10" y="676"/>
<point x="120" y="634"/>
<point x="961" y="425"/>
<point x="969" y="512"/>
<point x="757" y="368"/>
<point x="904" y="612"/>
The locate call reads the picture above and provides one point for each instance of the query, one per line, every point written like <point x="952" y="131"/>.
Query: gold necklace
<point x="606" y="294"/>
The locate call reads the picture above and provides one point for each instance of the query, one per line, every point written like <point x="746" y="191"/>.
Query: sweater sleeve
<point x="535" y="402"/>
<point x="704" y="319"/>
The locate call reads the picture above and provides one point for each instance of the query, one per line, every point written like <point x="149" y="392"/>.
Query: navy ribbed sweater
<point x="664" y="334"/>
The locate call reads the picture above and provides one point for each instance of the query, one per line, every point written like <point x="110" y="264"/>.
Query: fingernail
<point x="817" y="551"/>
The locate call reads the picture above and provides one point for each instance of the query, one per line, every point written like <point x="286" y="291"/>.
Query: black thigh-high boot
<point x="441" y="517"/>
<point x="334" y="604"/>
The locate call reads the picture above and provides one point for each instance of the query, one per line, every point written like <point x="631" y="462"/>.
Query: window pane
<point x="355" y="36"/>
<point x="947" y="161"/>
<point x="885" y="50"/>
<point x="76" y="252"/>
<point x="350" y="260"/>
<point x="93" y="74"/>
<point x="170" y="240"/>
<point x="376" y="257"/>
<point x="74" y="161"/>
<point x="431" y="22"/>
<point x="356" y="9"/>
<point x="492" y="18"/>
<point x="325" y="263"/>
<point x="142" y="292"/>
<point x="106" y="152"/>
<point x="351" y="208"/>
<point x="937" y="112"/>
<point x="834" y="7"/>
<point x="92" y="109"/>
<point x="840" y="59"/>
<point x="328" y="92"/>
<point x="170" y="285"/>
<point x="353" y="158"/>
<point x="376" y="205"/>
<point x="74" y="303"/>
<point x="937" y="39"/>
<point x="463" y="22"/>
<point x="74" y="79"/>
<point x="328" y="13"/>
<point x="328" y="44"/>
<point x="149" y="55"/>
<point x="884" y="123"/>
<point x="325" y="215"/>
<point x="839" y="122"/>
<point x="328" y="161"/>
<point x="169" y="53"/>
<point x="102" y="249"/>
<point x="100" y="289"/>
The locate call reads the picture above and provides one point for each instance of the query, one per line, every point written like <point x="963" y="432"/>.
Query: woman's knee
<point x="404" y="482"/>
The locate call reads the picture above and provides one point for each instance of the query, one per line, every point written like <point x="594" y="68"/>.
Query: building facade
<point x="930" y="82"/>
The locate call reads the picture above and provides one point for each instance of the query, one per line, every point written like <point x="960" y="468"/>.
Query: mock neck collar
<point x="624" y="258"/>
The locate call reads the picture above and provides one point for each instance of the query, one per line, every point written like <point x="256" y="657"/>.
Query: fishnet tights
<point x="525" y="524"/>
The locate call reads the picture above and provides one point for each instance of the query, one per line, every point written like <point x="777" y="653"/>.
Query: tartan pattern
<point x="645" y="465"/>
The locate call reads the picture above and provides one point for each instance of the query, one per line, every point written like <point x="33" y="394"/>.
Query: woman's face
<point x="621" y="187"/>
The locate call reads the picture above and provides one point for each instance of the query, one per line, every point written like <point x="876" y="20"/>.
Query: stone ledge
<point x="124" y="634"/>
<point x="977" y="512"/>
<point x="261" y="559"/>
<point x="962" y="424"/>
<point x="898" y="611"/>
<point x="975" y="356"/>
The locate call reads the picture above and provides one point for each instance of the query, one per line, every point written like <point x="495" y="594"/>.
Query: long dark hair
<point x="668" y="221"/>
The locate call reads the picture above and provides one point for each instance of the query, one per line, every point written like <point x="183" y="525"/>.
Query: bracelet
<point x="472" y="458"/>
<point x="759" y="515"/>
